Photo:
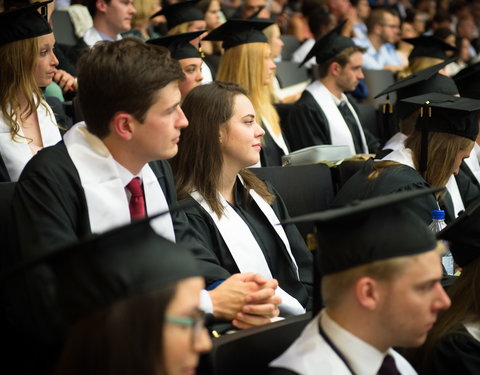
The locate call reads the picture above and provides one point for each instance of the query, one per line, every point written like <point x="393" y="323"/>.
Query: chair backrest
<point x="63" y="28"/>
<point x="303" y="188"/>
<point x="250" y="351"/>
<point x="367" y="114"/>
<point x="289" y="73"/>
<point x="377" y="81"/>
<point x="290" y="45"/>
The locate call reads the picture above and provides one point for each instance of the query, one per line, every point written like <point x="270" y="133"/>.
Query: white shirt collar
<point x="343" y="99"/>
<point x="362" y="357"/>
<point x="125" y="175"/>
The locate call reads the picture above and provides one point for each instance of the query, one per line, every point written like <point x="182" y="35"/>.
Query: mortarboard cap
<point x="444" y="114"/>
<point x="179" y="44"/>
<point x="425" y="81"/>
<point x="468" y="80"/>
<point x="236" y="32"/>
<point x="179" y="13"/>
<point x="463" y="235"/>
<point x="368" y="231"/>
<point x="24" y="23"/>
<point x="112" y="266"/>
<point x="329" y="45"/>
<point x="429" y="46"/>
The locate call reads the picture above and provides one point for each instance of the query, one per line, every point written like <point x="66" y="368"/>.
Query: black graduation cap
<point x="429" y="46"/>
<point x="179" y="44"/>
<point x="102" y="269"/>
<point x="329" y="45"/>
<point x="235" y="32"/>
<point x="24" y="23"/>
<point x="423" y="82"/>
<point x="179" y="13"/>
<point x="370" y="230"/>
<point x="468" y="81"/>
<point x="445" y="114"/>
<point x="463" y="235"/>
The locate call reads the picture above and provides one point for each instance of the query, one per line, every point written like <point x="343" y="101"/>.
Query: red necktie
<point x="388" y="366"/>
<point x="137" y="200"/>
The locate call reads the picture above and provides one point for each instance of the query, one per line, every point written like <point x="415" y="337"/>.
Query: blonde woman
<point x="142" y="25"/>
<point x="248" y="62"/>
<point x="27" y="123"/>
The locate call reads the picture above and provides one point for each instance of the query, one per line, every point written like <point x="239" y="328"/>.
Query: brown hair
<point x="198" y="164"/>
<point x="341" y="58"/>
<point x="17" y="78"/>
<point x="122" y="339"/>
<point x="442" y="151"/>
<point x="377" y="17"/>
<point x="465" y="308"/>
<point x="92" y="6"/>
<point x="122" y="76"/>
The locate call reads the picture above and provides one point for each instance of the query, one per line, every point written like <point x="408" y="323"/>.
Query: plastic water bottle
<point x="438" y="223"/>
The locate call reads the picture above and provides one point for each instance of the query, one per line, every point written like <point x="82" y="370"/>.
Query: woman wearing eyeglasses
<point x="133" y="300"/>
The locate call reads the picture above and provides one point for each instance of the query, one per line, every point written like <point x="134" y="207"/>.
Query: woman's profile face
<point x="183" y="343"/>
<point x="462" y="154"/>
<point x="277" y="42"/>
<point x="213" y="15"/>
<point x="45" y="66"/>
<point x="192" y="67"/>
<point x="268" y="65"/>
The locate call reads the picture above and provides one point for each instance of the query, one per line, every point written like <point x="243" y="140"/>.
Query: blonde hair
<point x="244" y="65"/>
<point x="442" y="152"/>
<point x="17" y="80"/>
<point x="144" y="9"/>
<point x="417" y="64"/>
<point x="179" y="29"/>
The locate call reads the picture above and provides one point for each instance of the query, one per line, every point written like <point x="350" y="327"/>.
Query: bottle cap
<point x="438" y="215"/>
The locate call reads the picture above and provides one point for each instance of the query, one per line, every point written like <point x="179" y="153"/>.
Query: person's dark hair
<point x="203" y="5"/>
<point x="318" y="21"/>
<point x="442" y="16"/>
<point x="122" y="339"/>
<point x="310" y="6"/>
<point x="341" y="58"/>
<point x="208" y="108"/>
<point x="92" y="6"/>
<point x="122" y="76"/>
<point x="377" y="16"/>
<point x="443" y="33"/>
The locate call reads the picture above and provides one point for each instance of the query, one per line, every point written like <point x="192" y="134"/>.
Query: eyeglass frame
<point x="196" y="323"/>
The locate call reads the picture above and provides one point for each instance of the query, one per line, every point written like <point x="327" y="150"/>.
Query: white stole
<point x="277" y="138"/>
<point x="105" y="194"/>
<point x="244" y="248"/>
<point x="397" y="141"/>
<point x="16" y="153"/>
<point x="404" y="156"/>
<point x="339" y="131"/>
<point x="473" y="162"/>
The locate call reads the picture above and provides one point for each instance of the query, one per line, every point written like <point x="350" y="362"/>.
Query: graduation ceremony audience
<point x="27" y="123"/>
<point x="236" y="213"/>
<point x="181" y="98"/>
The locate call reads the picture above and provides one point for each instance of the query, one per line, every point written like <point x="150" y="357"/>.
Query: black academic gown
<point x="307" y="126"/>
<point x="456" y="353"/>
<point x="271" y="154"/>
<point x="216" y="257"/>
<point x="49" y="212"/>
<point x="392" y="179"/>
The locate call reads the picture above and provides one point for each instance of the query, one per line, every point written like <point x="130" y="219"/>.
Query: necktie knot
<point x="388" y="366"/>
<point x="137" y="200"/>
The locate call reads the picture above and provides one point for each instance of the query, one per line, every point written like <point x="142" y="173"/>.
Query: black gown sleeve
<point x="306" y="124"/>
<point x="456" y="353"/>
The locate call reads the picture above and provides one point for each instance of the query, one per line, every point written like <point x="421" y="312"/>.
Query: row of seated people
<point x="85" y="184"/>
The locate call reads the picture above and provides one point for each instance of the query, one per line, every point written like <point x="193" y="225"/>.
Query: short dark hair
<point x="377" y="16"/>
<point x="340" y="58"/>
<point x="122" y="76"/>
<point x="92" y="6"/>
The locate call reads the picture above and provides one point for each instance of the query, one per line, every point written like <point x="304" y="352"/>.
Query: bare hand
<point x="65" y="80"/>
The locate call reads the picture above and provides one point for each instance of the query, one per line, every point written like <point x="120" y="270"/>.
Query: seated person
<point x="445" y="132"/>
<point x="27" y="123"/>
<point x="381" y="271"/>
<point x="323" y="114"/>
<point x="111" y="169"/>
<point x="236" y="213"/>
<point x="453" y="344"/>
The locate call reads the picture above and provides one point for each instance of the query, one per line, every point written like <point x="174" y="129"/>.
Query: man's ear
<point x="368" y="293"/>
<point x="335" y="69"/>
<point x="101" y="6"/>
<point x="123" y="124"/>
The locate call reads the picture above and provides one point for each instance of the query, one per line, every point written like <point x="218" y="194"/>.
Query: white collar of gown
<point x="277" y="138"/>
<point x="473" y="161"/>
<point x="404" y="156"/>
<point x="244" y="248"/>
<point x="105" y="194"/>
<point x="16" y="153"/>
<point x="339" y="131"/>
